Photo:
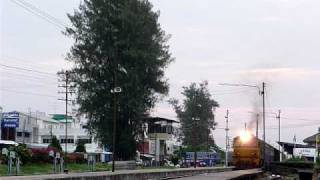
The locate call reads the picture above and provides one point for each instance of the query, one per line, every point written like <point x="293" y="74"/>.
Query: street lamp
<point x="116" y="89"/>
<point x="194" y="120"/>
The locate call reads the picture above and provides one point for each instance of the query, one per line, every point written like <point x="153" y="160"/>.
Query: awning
<point x="8" y="142"/>
<point x="147" y="155"/>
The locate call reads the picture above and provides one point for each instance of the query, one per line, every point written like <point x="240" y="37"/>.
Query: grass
<point x="39" y="169"/>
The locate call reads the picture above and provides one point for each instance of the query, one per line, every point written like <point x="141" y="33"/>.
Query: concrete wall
<point x="126" y="175"/>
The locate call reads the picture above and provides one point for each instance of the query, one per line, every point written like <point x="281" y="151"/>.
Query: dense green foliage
<point x="23" y="152"/>
<point x="80" y="147"/>
<point x="117" y="39"/>
<point x="196" y="115"/>
<point x="55" y="143"/>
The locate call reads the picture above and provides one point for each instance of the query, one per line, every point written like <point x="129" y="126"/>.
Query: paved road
<point x="223" y="175"/>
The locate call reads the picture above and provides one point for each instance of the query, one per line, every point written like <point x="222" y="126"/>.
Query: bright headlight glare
<point x="245" y="136"/>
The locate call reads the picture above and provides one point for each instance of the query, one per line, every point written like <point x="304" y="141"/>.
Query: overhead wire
<point x="26" y="69"/>
<point x="39" y="14"/>
<point x="43" y="12"/>
<point x="28" y="93"/>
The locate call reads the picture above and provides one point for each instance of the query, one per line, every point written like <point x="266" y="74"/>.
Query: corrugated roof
<point x="311" y="139"/>
<point x="60" y="117"/>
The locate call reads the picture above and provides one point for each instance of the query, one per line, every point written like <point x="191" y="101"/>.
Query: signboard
<point x="51" y="153"/>
<point x="58" y="155"/>
<point x="304" y="152"/>
<point x="10" y="120"/>
<point x="202" y="155"/>
<point x="5" y="151"/>
<point x="12" y="154"/>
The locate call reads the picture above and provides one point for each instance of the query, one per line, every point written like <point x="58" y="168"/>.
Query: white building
<point x="36" y="130"/>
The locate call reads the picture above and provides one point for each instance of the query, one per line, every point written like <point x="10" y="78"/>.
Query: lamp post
<point x="116" y="90"/>
<point x="194" y="120"/>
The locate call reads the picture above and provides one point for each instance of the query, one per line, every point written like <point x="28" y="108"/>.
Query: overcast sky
<point x="222" y="41"/>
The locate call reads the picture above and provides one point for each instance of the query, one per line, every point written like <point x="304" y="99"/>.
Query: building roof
<point x="60" y="117"/>
<point x="311" y="139"/>
<point x="288" y="147"/>
<point x="156" y="119"/>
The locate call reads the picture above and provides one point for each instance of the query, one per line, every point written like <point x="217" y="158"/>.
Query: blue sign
<point x="202" y="156"/>
<point x="10" y="120"/>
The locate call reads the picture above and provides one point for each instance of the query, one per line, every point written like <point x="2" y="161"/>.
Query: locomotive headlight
<point x="245" y="136"/>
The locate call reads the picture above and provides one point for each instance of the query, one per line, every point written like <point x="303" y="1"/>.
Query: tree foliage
<point x="122" y="39"/>
<point x="80" y="147"/>
<point x="196" y="115"/>
<point x="55" y="143"/>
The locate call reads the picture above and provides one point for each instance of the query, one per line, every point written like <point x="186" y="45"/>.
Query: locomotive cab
<point x="247" y="151"/>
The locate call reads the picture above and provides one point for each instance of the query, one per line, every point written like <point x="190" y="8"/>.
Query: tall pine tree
<point x="121" y="37"/>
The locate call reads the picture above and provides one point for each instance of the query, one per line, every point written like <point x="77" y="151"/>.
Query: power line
<point x="25" y="69"/>
<point x="39" y="14"/>
<point x="29" y="93"/>
<point x="6" y="73"/>
<point x="43" y="13"/>
<point x="26" y="62"/>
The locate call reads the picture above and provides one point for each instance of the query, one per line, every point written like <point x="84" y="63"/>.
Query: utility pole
<point x="316" y="150"/>
<point x="227" y="138"/>
<point x="257" y="126"/>
<point x="67" y="86"/>
<point x="264" y="122"/>
<point x="279" y="117"/>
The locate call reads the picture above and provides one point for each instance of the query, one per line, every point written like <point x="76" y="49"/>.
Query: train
<point x="248" y="152"/>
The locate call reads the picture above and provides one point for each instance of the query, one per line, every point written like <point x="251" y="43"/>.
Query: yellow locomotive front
<point x="246" y="151"/>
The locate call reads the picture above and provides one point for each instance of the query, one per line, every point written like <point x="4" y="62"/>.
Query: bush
<point x="174" y="159"/>
<point x="75" y="158"/>
<point x="55" y="143"/>
<point x="80" y="147"/>
<point x="23" y="152"/>
<point x="42" y="155"/>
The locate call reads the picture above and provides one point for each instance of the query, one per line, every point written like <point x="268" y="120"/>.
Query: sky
<point x="229" y="41"/>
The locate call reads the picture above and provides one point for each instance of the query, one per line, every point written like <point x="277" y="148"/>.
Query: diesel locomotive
<point x="248" y="152"/>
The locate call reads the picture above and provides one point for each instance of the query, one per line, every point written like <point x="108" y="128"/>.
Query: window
<point x="46" y="141"/>
<point x="69" y="141"/>
<point x="26" y="134"/>
<point x="19" y="134"/>
<point x="85" y="141"/>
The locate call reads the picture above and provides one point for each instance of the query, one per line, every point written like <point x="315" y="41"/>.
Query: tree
<point x="80" y="147"/>
<point x="55" y="143"/>
<point x="117" y="39"/>
<point x="196" y="115"/>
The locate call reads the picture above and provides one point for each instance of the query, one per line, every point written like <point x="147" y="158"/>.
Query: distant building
<point x="157" y="141"/>
<point x="311" y="140"/>
<point x="37" y="129"/>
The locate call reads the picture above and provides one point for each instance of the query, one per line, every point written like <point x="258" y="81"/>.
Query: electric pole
<point x="264" y="122"/>
<point x="279" y="117"/>
<point x="67" y="86"/>
<point x="257" y="126"/>
<point x="227" y="138"/>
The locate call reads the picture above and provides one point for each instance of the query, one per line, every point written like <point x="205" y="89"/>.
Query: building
<point x="311" y="140"/>
<point x="157" y="141"/>
<point x="36" y="129"/>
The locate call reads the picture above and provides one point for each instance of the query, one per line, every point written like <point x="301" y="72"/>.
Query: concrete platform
<point x="150" y="174"/>
<point x="240" y="174"/>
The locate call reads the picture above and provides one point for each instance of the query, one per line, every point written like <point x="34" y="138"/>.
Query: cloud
<point x="287" y="72"/>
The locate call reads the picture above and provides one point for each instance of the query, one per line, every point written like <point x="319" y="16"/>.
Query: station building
<point x="36" y="129"/>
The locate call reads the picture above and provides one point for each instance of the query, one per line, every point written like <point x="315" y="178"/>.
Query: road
<point x="224" y="175"/>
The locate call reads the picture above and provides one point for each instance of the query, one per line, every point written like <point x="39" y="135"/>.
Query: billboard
<point x="304" y="152"/>
<point x="202" y="155"/>
<point x="10" y="120"/>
